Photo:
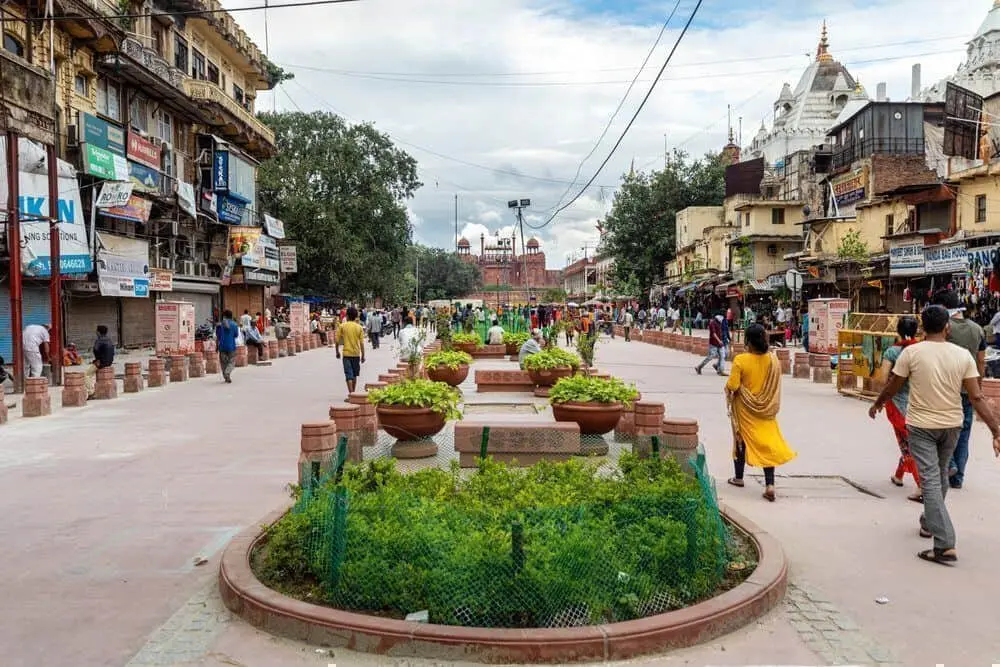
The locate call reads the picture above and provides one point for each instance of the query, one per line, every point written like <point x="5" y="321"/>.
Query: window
<point x="777" y="216"/>
<point x="890" y="225"/>
<point x="81" y="85"/>
<point x="109" y="100"/>
<point x="159" y="39"/>
<point x="138" y="114"/>
<point x="223" y="84"/>
<point x="240" y="97"/>
<point x="197" y="65"/>
<point x="13" y="45"/>
<point x="772" y="250"/>
<point x="180" y="53"/>
<point x="980" y="208"/>
<point x="164" y="125"/>
<point x="746" y="218"/>
<point x="213" y="73"/>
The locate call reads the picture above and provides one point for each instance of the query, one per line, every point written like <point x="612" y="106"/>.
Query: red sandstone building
<point x="517" y="277"/>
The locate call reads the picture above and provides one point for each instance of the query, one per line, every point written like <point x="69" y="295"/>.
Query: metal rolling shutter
<point x="202" y="304"/>
<point x="84" y="313"/>
<point x="35" y="307"/>
<point x="238" y="299"/>
<point x="138" y="322"/>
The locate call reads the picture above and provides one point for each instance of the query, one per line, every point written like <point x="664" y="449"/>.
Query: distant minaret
<point x="731" y="151"/>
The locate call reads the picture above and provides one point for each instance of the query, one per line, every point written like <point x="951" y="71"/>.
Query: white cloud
<point x="543" y="131"/>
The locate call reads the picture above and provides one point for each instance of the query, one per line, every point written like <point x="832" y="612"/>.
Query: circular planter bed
<point x="468" y="348"/>
<point x="409" y="423"/>
<point x="513" y="349"/>
<point x="549" y="376"/>
<point x="593" y="418"/>
<point x="450" y="376"/>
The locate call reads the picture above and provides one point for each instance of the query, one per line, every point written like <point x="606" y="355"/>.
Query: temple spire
<point x="823" y="50"/>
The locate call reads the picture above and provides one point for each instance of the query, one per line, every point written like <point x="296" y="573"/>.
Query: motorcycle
<point x="205" y="331"/>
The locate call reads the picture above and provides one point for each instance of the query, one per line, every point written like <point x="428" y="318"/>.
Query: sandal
<point x="916" y="497"/>
<point x="896" y="481"/>
<point x="924" y="533"/>
<point x="939" y="556"/>
<point x="769" y="496"/>
<point x="735" y="482"/>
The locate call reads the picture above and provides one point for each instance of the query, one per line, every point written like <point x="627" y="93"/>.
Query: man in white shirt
<point x="35" y="340"/>
<point x="627" y="323"/>
<point x="495" y="334"/>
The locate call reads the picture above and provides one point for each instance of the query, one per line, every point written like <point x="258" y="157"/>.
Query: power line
<point x="621" y="138"/>
<point x="621" y="103"/>
<point x="191" y="12"/>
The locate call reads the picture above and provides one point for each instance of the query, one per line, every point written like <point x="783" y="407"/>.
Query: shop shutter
<point x="35" y="310"/>
<point x="138" y="322"/>
<point x="203" y="304"/>
<point x="84" y="313"/>
<point x="240" y="298"/>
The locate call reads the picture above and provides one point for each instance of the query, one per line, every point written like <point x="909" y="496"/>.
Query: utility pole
<point x="14" y="250"/>
<point x="519" y="205"/>
<point x="456" y="222"/>
<point x="666" y="152"/>
<point x="418" y="279"/>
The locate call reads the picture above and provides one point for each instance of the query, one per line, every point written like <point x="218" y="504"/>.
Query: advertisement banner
<point x="260" y="277"/>
<point x="983" y="259"/>
<point x="102" y="134"/>
<point x="230" y="210"/>
<point x="907" y="260"/>
<point x="143" y="151"/>
<point x="104" y="164"/>
<point x="122" y="276"/>
<point x="114" y="194"/>
<point x="244" y="243"/>
<point x="946" y="259"/>
<point x="850" y="188"/>
<point x="161" y="280"/>
<point x="74" y="250"/>
<point x="288" y="258"/>
<point x="826" y="319"/>
<point x="185" y="198"/>
<point x="174" y="327"/>
<point x="275" y="228"/>
<point x="270" y="260"/>
<point x="143" y="178"/>
<point x="137" y="210"/>
<point x="298" y="317"/>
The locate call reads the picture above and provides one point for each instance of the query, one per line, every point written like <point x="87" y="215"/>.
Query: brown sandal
<point x="735" y="482"/>
<point x="769" y="496"/>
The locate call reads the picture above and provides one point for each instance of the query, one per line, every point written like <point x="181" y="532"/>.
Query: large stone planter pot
<point x="468" y="348"/>
<point x="450" y="376"/>
<point x="513" y="349"/>
<point x="408" y="424"/>
<point x="593" y="418"/>
<point x="548" y="377"/>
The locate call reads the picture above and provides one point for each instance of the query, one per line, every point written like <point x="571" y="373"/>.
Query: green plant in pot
<point x="448" y="366"/>
<point x="414" y="410"/>
<point x="443" y="322"/>
<point x="595" y="404"/>
<point x="548" y="366"/>
<point x="514" y="341"/>
<point x="466" y="342"/>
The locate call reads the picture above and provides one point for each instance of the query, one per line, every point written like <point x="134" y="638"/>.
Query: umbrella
<point x="571" y="304"/>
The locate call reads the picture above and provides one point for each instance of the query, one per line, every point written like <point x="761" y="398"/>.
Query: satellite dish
<point x="793" y="280"/>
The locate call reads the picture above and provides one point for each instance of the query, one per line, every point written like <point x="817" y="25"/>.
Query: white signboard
<point x="907" y="260"/>
<point x="271" y="260"/>
<point x="185" y="198"/>
<point x="289" y="259"/>
<point x="275" y="228"/>
<point x="114" y="194"/>
<point x="946" y="259"/>
<point x="122" y="276"/>
<point x="982" y="258"/>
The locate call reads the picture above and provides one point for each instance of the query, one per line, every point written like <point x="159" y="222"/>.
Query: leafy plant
<point x="466" y="338"/>
<point x="551" y="358"/>
<point x="437" y="396"/>
<point x="449" y="359"/>
<point x="443" y="326"/>
<point x="552" y="334"/>
<point x="585" y="346"/>
<point x="584" y="389"/>
<point x="519" y="338"/>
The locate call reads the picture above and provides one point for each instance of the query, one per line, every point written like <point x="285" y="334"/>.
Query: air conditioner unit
<point x="186" y="267"/>
<point x="72" y="137"/>
<point x="203" y="269"/>
<point x="165" y="263"/>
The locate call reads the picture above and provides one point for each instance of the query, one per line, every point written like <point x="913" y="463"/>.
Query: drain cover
<point x="500" y="409"/>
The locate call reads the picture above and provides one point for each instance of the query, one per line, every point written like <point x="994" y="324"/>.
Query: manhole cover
<point x="818" y="486"/>
<point x="501" y="409"/>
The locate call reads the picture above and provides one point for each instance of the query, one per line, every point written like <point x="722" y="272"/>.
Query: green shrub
<point x="450" y="360"/>
<point x="438" y="396"/>
<point x="466" y="339"/>
<point x="583" y="389"/>
<point x="519" y="338"/>
<point x="551" y="358"/>
<point x="594" y="548"/>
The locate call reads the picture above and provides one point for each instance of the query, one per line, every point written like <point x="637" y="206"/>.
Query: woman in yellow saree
<point x="753" y="395"/>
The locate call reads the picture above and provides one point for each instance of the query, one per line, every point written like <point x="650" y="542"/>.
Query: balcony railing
<point x="148" y="58"/>
<point x="209" y="92"/>
<point x="863" y="148"/>
<point x="27" y="97"/>
<point x="233" y="33"/>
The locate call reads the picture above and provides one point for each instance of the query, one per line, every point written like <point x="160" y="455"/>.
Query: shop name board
<point x="143" y="178"/>
<point x="234" y="176"/>
<point x="136" y="209"/>
<point x="161" y="280"/>
<point x="983" y="258"/>
<point x="230" y="210"/>
<point x="946" y="259"/>
<point x="906" y="260"/>
<point x="271" y="259"/>
<point x="143" y="151"/>
<point x="274" y="227"/>
<point x="104" y="164"/>
<point x="289" y="259"/>
<point x="102" y="134"/>
<point x="260" y="276"/>
<point x="122" y="276"/>
<point x="114" y="194"/>
<point x="850" y="188"/>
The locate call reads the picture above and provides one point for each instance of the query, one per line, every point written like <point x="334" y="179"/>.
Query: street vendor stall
<point x="861" y="343"/>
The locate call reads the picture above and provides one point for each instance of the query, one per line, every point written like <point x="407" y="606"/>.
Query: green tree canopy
<point x="442" y="274"/>
<point x="341" y="191"/>
<point x="640" y="229"/>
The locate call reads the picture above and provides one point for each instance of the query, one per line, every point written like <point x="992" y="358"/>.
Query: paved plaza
<point x="110" y="509"/>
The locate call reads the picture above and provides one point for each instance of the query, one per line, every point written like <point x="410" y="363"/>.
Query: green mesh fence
<point x="645" y="538"/>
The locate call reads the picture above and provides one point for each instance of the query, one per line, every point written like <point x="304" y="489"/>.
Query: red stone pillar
<point x="212" y="363"/>
<point x="648" y="419"/>
<point x="178" y="368"/>
<point x="625" y="431"/>
<point x="133" y="377"/>
<point x="272" y="349"/>
<point x="801" y="370"/>
<point x="36" y="401"/>
<point x="106" y="387"/>
<point x="283" y="347"/>
<point x="196" y="365"/>
<point x="785" y="357"/>
<point x="318" y="450"/>
<point x="156" y="372"/>
<point x="821" y="372"/>
<point x="347" y="416"/>
<point x="252" y="356"/>
<point x="680" y="440"/>
<point x="74" y="391"/>
<point x="367" y="421"/>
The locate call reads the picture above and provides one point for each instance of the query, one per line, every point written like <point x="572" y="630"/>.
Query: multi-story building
<point x="580" y="279"/>
<point x="520" y="277"/>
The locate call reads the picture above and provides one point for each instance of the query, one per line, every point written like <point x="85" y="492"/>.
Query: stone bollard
<point x="846" y="379"/>
<point x="3" y="410"/>
<point x="264" y="353"/>
<point x="252" y="355"/>
<point x="785" y="357"/>
<point x="106" y="387"/>
<point x="74" y="392"/>
<point x="156" y="372"/>
<point x="212" y="363"/>
<point x="295" y="342"/>
<point x="680" y="440"/>
<point x="347" y="416"/>
<point x="991" y="391"/>
<point x="372" y="386"/>
<point x="318" y="450"/>
<point x="648" y="419"/>
<point x="290" y="345"/>
<point x="821" y="372"/>
<point x="240" y="360"/>
<point x="133" y="377"/>
<point x="801" y="370"/>
<point x="282" y="347"/>
<point x="178" y="368"/>
<point x="196" y="365"/>
<point x="625" y="431"/>
<point x="36" y="402"/>
<point x="367" y="420"/>
<point x="272" y="349"/>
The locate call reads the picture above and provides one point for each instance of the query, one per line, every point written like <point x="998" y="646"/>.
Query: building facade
<point x="519" y="277"/>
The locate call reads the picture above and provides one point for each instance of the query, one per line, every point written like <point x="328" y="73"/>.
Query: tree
<point x="555" y="295"/>
<point x="341" y="191"/>
<point x="443" y="275"/>
<point x="641" y="227"/>
<point x="853" y="253"/>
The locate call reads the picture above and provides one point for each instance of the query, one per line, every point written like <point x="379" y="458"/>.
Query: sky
<point x="504" y="99"/>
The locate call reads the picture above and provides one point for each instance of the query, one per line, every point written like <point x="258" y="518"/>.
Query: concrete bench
<point x="504" y="381"/>
<point x="524" y="442"/>
<point x="490" y="352"/>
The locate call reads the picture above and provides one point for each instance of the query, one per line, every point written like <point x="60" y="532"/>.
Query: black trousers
<point x="740" y="464"/>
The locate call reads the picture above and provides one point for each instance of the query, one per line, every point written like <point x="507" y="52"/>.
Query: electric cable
<point x="187" y="13"/>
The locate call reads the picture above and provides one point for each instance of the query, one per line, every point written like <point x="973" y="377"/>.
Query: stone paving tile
<point x="188" y="634"/>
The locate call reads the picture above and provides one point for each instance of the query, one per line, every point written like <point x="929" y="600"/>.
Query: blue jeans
<point x="714" y="353"/>
<point x="961" y="455"/>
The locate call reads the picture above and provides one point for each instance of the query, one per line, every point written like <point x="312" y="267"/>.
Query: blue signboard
<point x="230" y="209"/>
<point x="144" y="178"/>
<point x="102" y="134"/>
<point x="220" y="170"/>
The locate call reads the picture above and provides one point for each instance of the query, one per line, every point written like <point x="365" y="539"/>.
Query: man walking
<point x="937" y="371"/>
<point x="396" y="317"/>
<point x="627" y="322"/>
<point x="715" y="347"/>
<point x="374" y="329"/>
<point x="35" y="341"/>
<point x="226" y="334"/>
<point x="352" y="337"/>
<point x="968" y="335"/>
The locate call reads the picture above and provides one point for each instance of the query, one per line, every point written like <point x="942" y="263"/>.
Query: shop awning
<point x="759" y="286"/>
<point x="723" y="287"/>
<point x="687" y="288"/>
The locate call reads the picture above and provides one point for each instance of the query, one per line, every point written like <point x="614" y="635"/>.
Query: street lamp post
<point x="519" y="205"/>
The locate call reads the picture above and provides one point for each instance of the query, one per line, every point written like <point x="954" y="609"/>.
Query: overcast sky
<point x="502" y="99"/>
